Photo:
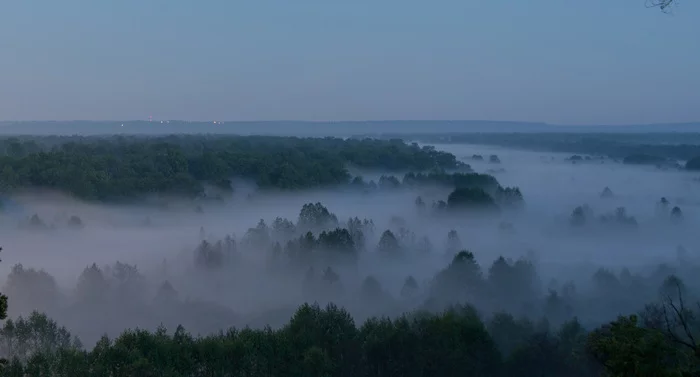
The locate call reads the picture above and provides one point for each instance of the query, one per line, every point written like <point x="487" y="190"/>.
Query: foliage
<point x="120" y="168"/>
<point x="453" y="180"/>
<point x="626" y="349"/>
<point x="659" y="145"/>
<point x="315" y="342"/>
<point x="3" y="304"/>
<point x="340" y="242"/>
<point x="676" y="214"/>
<point x="607" y="193"/>
<point x="388" y="244"/>
<point x="471" y="198"/>
<point x="314" y="216"/>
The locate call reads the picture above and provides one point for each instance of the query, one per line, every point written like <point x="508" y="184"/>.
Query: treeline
<point x="114" y="168"/>
<point x="456" y="180"/>
<point x="457" y="341"/>
<point x="328" y="342"/>
<point x="583" y="215"/>
<point x="651" y="149"/>
<point x="315" y="342"/>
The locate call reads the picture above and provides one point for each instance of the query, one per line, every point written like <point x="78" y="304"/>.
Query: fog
<point x="253" y="289"/>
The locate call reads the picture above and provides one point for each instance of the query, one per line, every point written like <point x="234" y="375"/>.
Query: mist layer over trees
<point x="247" y="256"/>
<point x="656" y="148"/>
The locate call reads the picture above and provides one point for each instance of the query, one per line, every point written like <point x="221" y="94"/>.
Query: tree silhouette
<point x="410" y="287"/>
<point x="315" y="216"/>
<point x="3" y="316"/>
<point x="664" y="5"/>
<point x="471" y="198"/>
<point x="3" y="302"/>
<point x="676" y="214"/>
<point x="388" y="244"/>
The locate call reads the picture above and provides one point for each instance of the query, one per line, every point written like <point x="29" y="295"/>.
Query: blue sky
<point x="563" y="61"/>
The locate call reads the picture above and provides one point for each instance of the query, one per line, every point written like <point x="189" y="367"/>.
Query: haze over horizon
<point x="594" y="62"/>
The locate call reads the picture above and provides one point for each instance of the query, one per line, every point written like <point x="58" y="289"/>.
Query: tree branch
<point x="664" y="5"/>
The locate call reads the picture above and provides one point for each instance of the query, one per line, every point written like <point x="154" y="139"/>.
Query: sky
<point x="562" y="62"/>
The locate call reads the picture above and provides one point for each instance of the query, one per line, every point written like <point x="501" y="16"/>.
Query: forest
<point x="634" y="148"/>
<point x="332" y="257"/>
<point x="127" y="167"/>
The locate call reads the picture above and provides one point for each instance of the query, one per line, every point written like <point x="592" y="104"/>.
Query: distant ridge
<point x="310" y="128"/>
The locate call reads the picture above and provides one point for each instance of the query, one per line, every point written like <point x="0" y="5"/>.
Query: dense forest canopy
<point x="109" y="168"/>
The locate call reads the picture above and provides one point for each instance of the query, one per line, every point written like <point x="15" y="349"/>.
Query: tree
<point x="664" y="5"/>
<point x="331" y="334"/>
<point x="673" y="317"/>
<point x="339" y="241"/>
<point x="330" y="277"/>
<point x="509" y="333"/>
<point x="662" y="206"/>
<point x="128" y="283"/>
<point x="35" y="222"/>
<point x="357" y="229"/>
<point x="31" y="289"/>
<point x="301" y="250"/>
<point x="283" y="229"/>
<point x="316" y="362"/>
<point x="514" y="284"/>
<point x="388" y="244"/>
<point x="676" y="214"/>
<point x="439" y="205"/>
<point x="315" y="216"/>
<point x="75" y="222"/>
<point x="258" y="237"/>
<point x="3" y="316"/>
<point x="471" y="198"/>
<point x="580" y="215"/>
<point x="510" y="197"/>
<point x="626" y="349"/>
<point x="388" y="182"/>
<point x="460" y="281"/>
<point x="371" y="289"/>
<point x="409" y="288"/>
<point x="92" y="284"/>
<point x="420" y="204"/>
<point x="209" y="256"/>
<point x="166" y="293"/>
<point x="358" y="181"/>
<point x="454" y="244"/>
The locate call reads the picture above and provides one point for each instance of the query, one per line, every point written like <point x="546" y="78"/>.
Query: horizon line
<point x="541" y="123"/>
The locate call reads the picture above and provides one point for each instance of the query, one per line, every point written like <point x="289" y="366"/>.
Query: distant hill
<point x="304" y="128"/>
<point x="286" y="128"/>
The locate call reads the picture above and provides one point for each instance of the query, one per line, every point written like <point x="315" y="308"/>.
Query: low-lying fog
<point x="161" y="242"/>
